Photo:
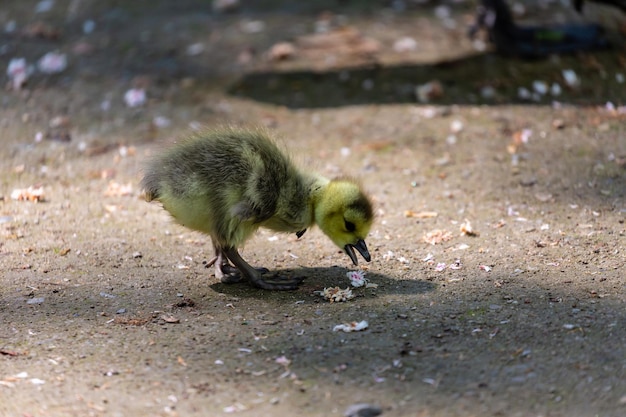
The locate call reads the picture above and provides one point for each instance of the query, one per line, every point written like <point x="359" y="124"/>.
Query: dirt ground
<point x="107" y="309"/>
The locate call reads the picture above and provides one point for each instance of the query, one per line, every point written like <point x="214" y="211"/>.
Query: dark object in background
<point x="534" y="41"/>
<point x="363" y="410"/>
<point x="620" y="4"/>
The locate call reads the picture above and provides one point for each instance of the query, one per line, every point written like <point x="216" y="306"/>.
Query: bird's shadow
<point x="318" y="278"/>
<point x="463" y="80"/>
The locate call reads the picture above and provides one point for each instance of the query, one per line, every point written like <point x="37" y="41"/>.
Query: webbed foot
<point x="228" y="274"/>
<point x="254" y="275"/>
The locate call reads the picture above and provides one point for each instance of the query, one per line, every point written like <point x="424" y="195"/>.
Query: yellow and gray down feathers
<point x="229" y="182"/>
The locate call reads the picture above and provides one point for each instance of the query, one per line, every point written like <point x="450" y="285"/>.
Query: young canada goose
<point x="229" y="182"/>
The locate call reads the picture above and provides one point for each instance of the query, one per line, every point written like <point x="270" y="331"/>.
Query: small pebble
<point x="161" y="122"/>
<point x="44" y="6"/>
<point x="571" y="79"/>
<point x="135" y="97"/>
<point x="405" y="44"/>
<point x="88" y="26"/>
<point x="456" y="126"/>
<point x="195" y="49"/>
<point x="488" y="92"/>
<point x="18" y="72"/>
<point x="10" y="26"/>
<point x="6" y="219"/>
<point x="518" y="9"/>
<point x="442" y="12"/>
<point x="540" y="87"/>
<point x="224" y="6"/>
<point x="253" y="26"/>
<point x="52" y="63"/>
<point x="523" y="93"/>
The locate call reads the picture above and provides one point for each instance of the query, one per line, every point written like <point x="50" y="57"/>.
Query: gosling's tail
<point x="148" y="196"/>
<point x="151" y="187"/>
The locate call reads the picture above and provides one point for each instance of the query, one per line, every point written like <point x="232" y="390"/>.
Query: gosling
<point x="229" y="182"/>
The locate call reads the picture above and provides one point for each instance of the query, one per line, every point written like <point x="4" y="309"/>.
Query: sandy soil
<point x="106" y="306"/>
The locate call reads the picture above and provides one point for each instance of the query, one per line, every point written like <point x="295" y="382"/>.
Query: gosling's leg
<point x="224" y="271"/>
<point x="254" y="275"/>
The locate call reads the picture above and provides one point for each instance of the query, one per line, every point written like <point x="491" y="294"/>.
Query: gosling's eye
<point x="350" y="227"/>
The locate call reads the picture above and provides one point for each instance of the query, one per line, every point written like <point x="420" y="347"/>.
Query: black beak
<point x="361" y="247"/>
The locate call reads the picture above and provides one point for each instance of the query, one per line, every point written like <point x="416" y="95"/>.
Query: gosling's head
<point x="345" y="215"/>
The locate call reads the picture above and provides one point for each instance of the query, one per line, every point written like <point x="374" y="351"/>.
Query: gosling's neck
<point x="317" y="188"/>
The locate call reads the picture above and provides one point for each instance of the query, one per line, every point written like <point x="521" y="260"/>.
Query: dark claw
<point x="300" y="233"/>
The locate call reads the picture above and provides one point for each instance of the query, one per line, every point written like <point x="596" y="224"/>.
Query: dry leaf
<point x="168" y="318"/>
<point x="32" y="193"/>
<point x="420" y="214"/>
<point x="467" y="229"/>
<point x="437" y="236"/>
